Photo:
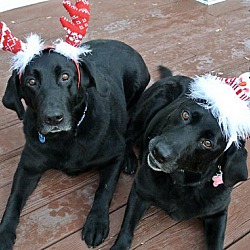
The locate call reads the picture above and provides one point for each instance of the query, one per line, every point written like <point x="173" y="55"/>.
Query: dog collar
<point x="186" y="177"/>
<point x="83" y="115"/>
<point x="218" y="178"/>
<point x="41" y="137"/>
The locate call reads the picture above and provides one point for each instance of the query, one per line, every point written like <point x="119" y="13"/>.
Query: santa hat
<point x="228" y="100"/>
<point x="34" y="45"/>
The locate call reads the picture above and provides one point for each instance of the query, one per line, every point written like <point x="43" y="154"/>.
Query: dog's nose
<point x="161" y="153"/>
<point x="53" y="118"/>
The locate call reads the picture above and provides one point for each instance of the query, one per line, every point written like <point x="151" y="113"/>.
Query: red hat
<point x="228" y="99"/>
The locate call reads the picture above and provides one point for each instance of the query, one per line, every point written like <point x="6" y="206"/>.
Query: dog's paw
<point x="131" y="163"/>
<point x="115" y="247"/>
<point x="96" y="229"/>
<point x="119" y="247"/>
<point x="7" y="240"/>
<point x="122" y="243"/>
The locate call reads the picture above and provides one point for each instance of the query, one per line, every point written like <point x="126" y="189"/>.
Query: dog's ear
<point x="96" y="78"/>
<point x="234" y="165"/>
<point x="162" y="93"/>
<point x="12" y="96"/>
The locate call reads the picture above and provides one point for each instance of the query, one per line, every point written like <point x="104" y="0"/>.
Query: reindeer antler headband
<point x="71" y="48"/>
<point x="228" y="99"/>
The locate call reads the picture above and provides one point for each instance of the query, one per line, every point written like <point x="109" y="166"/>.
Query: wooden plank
<point x="52" y="186"/>
<point x="11" y="138"/>
<point x="158" y="231"/>
<point x="184" y="235"/>
<point x="74" y="241"/>
<point x="238" y="214"/>
<point x="242" y="244"/>
<point x="63" y="216"/>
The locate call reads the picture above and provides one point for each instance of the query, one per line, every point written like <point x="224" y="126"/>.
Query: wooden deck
<point x="187" y="36"/>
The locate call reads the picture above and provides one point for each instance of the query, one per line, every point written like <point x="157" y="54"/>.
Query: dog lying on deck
<point x="183" y="153"/>
<point x="74" y="128"/>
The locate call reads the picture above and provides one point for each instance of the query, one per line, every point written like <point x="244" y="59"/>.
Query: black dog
<point x="74" y="129"/>
<point x="181" y="147"/>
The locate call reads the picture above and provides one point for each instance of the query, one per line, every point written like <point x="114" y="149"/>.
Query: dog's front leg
<point x="136" y="208"/>
<point x="131" y="159"/>
<point x="96" y="227"/>
<point x="215" y="227"/>
<point x="24" y="183"/>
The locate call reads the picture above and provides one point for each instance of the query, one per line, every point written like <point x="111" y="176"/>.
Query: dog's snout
<point x="54" y="118"/>
<point x="161" y="152"/>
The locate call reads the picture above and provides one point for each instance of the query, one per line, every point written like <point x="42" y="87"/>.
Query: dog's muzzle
<point x="54" y="117"/>
<point x="161" y="156"/>
<point x="179" y="176"/>
<point x="153" y="163"/>
<point x="55" y="124"/>
<point x="166" y="167"/>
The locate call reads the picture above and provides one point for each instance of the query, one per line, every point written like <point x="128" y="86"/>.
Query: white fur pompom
<point x="33" y="47"/>
<point x="70" y="51"/>
<point x="232" y="113"/>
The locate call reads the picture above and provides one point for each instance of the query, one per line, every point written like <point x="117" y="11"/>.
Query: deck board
<point x="190" y="38"/>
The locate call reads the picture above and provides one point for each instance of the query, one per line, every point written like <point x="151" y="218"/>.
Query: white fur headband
<point x="71" y="48"/>
<point x="228" y="101"/>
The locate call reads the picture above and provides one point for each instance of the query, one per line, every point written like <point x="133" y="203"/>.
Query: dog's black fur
<point x="181" y="147"/>
<point x="113" y="77"/>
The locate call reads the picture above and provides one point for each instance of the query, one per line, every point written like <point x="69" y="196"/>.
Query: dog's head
<point x="185" y="141"/>
<point x="49" y="86"/>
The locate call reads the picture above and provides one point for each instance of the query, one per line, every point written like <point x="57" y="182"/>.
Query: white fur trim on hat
<point x="33" y="47"/>
<point x="70" y="51"/>
<point x="232" y="113"/>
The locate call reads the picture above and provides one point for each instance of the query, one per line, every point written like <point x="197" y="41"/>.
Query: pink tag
<point x="217" y="179"/>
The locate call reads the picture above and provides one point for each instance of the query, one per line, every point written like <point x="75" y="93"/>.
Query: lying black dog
<point x="74" y="129"/>
<point x="181" y="148"/>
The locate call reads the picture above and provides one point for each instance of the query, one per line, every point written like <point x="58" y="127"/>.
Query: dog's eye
<point x="185" y="115"/>
<point x="65" y="77"/>
<point x="32" y="82"/>
<point x="207" y="143"/>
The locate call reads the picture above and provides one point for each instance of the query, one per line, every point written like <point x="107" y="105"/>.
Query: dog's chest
<point x="55" y="153"/>
<point x="185" y="202"/>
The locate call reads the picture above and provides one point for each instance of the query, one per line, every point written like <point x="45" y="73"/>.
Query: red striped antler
<point x="23" y="52"/>
<point x="8" y="42"/>
<point x="77" y="28"/>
